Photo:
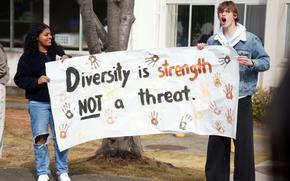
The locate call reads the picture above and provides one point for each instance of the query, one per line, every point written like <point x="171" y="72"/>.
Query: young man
<point x="253" y="59"/>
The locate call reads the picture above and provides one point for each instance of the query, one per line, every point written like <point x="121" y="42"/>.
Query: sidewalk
<point x="190" y="144"/>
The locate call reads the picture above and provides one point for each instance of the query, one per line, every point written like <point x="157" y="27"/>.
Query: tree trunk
<point x="120" y="19"/>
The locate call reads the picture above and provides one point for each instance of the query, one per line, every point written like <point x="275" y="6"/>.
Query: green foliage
<point x="260" y="101"/>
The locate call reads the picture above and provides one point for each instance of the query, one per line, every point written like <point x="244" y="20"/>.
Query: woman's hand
<point x="201" y="46"/>
<point x="64" y="57"/>
<point x="42" y="79"/>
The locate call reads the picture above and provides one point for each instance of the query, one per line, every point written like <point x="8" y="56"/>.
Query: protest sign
<point x="143" y="92"/>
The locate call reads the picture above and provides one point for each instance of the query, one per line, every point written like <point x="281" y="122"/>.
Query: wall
<point x="275" y="31"/>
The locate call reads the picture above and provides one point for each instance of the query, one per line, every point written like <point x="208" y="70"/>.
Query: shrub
<point x="260" y="101"/>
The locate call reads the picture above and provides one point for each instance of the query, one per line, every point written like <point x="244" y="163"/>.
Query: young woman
<point x="252" y="59"/>
<point x="39" y="48"/>
<point x="4" y="77"/>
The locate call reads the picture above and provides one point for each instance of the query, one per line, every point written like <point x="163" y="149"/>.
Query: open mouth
<point x="223" y="19"/>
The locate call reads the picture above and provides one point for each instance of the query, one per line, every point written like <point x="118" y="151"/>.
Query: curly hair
<point x="31" y="39"/>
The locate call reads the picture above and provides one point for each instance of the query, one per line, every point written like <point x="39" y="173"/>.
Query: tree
<point x="120" y="18"/>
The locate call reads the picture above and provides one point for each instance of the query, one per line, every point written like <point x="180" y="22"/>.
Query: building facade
<point x="159" y="24"/>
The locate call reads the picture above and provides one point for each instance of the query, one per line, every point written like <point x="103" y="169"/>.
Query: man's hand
<point x="42" y="79"/>
<point x="201" y="46"/>
<point x="245" y="61"/>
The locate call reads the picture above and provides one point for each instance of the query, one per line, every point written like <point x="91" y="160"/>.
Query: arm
<point x="260" y="58"/>
<point x="22" y="78"/>
<point x="3" y="63"/>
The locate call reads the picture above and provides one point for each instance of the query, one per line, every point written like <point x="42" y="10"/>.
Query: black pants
<point x="219" y="148"/>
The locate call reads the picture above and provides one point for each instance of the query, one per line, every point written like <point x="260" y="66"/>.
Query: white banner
<point x="144" y="92"/>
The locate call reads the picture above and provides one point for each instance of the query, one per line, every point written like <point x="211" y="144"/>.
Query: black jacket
<point x="29" y="69"/>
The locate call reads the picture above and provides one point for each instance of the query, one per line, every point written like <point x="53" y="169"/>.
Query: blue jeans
<point x="41" y="117"/>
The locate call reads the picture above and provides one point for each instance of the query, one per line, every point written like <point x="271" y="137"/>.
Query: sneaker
<point x="43" y="177"/>
<point x="63" y="177"/>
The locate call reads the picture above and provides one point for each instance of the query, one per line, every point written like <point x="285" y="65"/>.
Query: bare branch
<point x="127" y="19"/>
<point x="101" y="31"/>
<point x="113" y="25"/>
<point x="90" y="28"/>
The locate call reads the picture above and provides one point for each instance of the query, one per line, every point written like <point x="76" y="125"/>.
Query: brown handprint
<point x="153" y="59"/>
<point x="67" y="110"/>
<point x="94" y="62"/>
<point x="230" y="116"/>
<point x="154" y="118"/>
<point x="217" y="80"/>
<point x="229" y="91"/>
<point x="219" y="127"/>
<point x="184" y="121"/>
<point x="225" y="61"/>
<point x="63" y="130"/>
<point x="214" y="108"/>
<point x="109" y="116"/>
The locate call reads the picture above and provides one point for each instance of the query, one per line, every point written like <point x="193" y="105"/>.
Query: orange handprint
<point x="219" y="127"/>
<point x="63" y="130"/>
<point x="217" y="80"/>
<point x="229" y="116"/>
<point x="214" y="108"/>
<point x="229" y="91"/>
<point x="154" y="118"/>
<point x="110" y="118"/>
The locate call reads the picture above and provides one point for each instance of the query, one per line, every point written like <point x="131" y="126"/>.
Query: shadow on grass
<point x="141" y="168"/>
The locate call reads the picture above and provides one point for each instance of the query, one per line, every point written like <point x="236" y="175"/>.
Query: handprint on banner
<point x="230" y="116"/>
<point x="154" y="118"/>
<point x="110" y="118"/>
<point x="67" y="110"/>
<point x="219" y="127"/>
<point x="63" y="131"/>
<point x="217" y="80"/>
<point x="204" y="89"/>
<point x="225" y="61"/>
<point x="198" y="115"/>
<point x="94" y="62"/>
<point x="110" y="94"/>
<point x="153" y="59"/>
<point x="229" y="91"/>
<point x="81" y="136"/>
<point x="185" y="120"/>
<point x="214" y="108"/>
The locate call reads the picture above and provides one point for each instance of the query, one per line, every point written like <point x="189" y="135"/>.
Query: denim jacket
<point x="248" y="45"/>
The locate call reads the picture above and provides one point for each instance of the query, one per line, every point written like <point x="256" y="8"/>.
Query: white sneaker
<point x="63" y="177"/>
<point x="43" y="177"/>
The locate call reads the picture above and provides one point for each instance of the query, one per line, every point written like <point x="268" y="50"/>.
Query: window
<point x="24" y="14"/>
<point x="5" y="22"/>
<point x="182" y="25"/>
<point x="65" y="24"/>
<point x="192" y="24"/>
<point x="287" y="43"/>
<point x="255" y="18"/>
<point x="202" y="19"/>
